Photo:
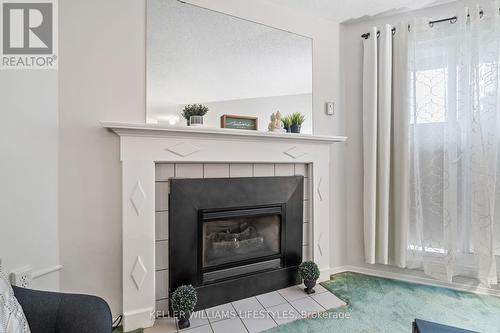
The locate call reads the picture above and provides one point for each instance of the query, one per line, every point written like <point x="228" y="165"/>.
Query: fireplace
<point x="234" y="238"/>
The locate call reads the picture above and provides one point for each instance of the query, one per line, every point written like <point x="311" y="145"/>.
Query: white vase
<point x="196" y="121"/>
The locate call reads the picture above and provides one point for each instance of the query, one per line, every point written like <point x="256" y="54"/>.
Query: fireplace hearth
<point x="234" y="238"/>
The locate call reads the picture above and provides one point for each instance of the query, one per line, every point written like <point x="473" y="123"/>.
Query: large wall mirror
<point x="230" y="65"/>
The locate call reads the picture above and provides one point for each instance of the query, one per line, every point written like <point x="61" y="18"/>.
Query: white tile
<point x="247" y="304"/>
<point x="307" y="306"/>
<point x="307" y="216"/>
<point x="284" y="169"/>
<point x="221" y="312"/>
<point x="189" y="170"/>
<point x="162" y="307"/>
<point x="292" y="293"/>
<point x="263" y="170"/>
<point x="306" y="252"/>
<point x="328" y="300"/>
<point x="283" y="313"/>
<point x="270" y="299"/>
<point x="233" y="325"/>
<point x="161" y="195"/>
<point x="258" y="322"/>
<point x="318" y="288"/>
<point x="164" y="171"/>
<point x="161" y="225"/>
<point x="198" y="318"/>
<point x="161" y="255"/>
<point x="253" y="315"/>
<point x="241" y="170"/>
<point x="301" y="169"/>
<point x="161" y="284"/>
<point x="306" y="233"/>
<point x="163" y="325"/>
<point x="200" y="329"/>
<point x="216" y="170"/>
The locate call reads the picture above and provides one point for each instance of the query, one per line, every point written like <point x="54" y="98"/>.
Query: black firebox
<point x="234" y="238"/>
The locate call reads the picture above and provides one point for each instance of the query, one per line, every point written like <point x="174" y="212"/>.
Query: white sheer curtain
<point x="454" y="225"/>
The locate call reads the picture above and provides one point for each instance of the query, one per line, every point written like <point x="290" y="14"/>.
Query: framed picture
<point x="239" y="122"/>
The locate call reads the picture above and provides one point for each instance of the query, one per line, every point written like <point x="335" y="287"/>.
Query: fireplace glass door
<point x="232" y="238"/>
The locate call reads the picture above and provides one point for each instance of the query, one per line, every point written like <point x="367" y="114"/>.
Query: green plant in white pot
<point x="183" y="301"/>
<point x="194" y="114"/>
<point x="309" y="272"/>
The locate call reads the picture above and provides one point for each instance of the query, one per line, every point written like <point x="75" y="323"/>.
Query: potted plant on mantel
<point x="183" y="301"/>
<point x="309" y="272"/>
<point x="296" y="120"/>
<point x="286" y="123"/>
<point x="194" y="113"/>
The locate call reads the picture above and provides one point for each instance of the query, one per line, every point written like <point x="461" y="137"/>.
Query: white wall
<point x="28" y="172"/>
<point x="351" y="78"/>
<point x="102" y="77"/>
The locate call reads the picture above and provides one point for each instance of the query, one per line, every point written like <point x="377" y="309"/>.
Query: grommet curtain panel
<point x="385" y="146"/>
<point x="431" y="145"/>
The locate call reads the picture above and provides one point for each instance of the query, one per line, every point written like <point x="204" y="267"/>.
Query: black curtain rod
<point x="367" y="35"/>
<point x="452" y="20"/>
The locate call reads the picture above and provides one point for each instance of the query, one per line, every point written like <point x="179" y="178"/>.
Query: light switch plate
<point x="330" y="108"/>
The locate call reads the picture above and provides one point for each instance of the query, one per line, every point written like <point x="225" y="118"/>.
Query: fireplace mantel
<point x="162" y="130"/>
<point x="143" y="145"/>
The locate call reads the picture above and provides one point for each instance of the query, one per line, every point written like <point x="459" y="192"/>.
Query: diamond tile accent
<point x="183" y="149"/>
<point x="138" y="273"/>
<point x="320" y="194"/>
<point x="318" y="245"/>
<point x="138" y="198"/>
<point x="295" y="152"/>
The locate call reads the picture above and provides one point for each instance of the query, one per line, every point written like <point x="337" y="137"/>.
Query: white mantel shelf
<point x="142" y="129"/>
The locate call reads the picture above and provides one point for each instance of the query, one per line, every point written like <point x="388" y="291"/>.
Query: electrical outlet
<point x="22" y="277"/>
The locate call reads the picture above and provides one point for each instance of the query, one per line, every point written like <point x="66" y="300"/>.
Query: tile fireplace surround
<point x="143" y="146"/>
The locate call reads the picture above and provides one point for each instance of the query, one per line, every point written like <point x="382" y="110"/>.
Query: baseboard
<point x="416" y="279"/>
<point x="324" y="274"/>
<point x="141" y="318"/>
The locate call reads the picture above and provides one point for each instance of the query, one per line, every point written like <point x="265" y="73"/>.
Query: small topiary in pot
<point x="183" y="301"/>
<point x="309" y="272"/>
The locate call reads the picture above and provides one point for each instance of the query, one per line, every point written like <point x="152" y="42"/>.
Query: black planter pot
<point x="184" y="323"/>
<point x="295" y="128"/>
<point x="183" y="319"/>
<point x="309" y="286"/>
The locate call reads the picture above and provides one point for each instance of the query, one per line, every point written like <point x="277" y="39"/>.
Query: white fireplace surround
<point x="143" y="145"/>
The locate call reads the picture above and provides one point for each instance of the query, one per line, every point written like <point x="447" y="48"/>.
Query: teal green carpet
<point x="378" y="305"/>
